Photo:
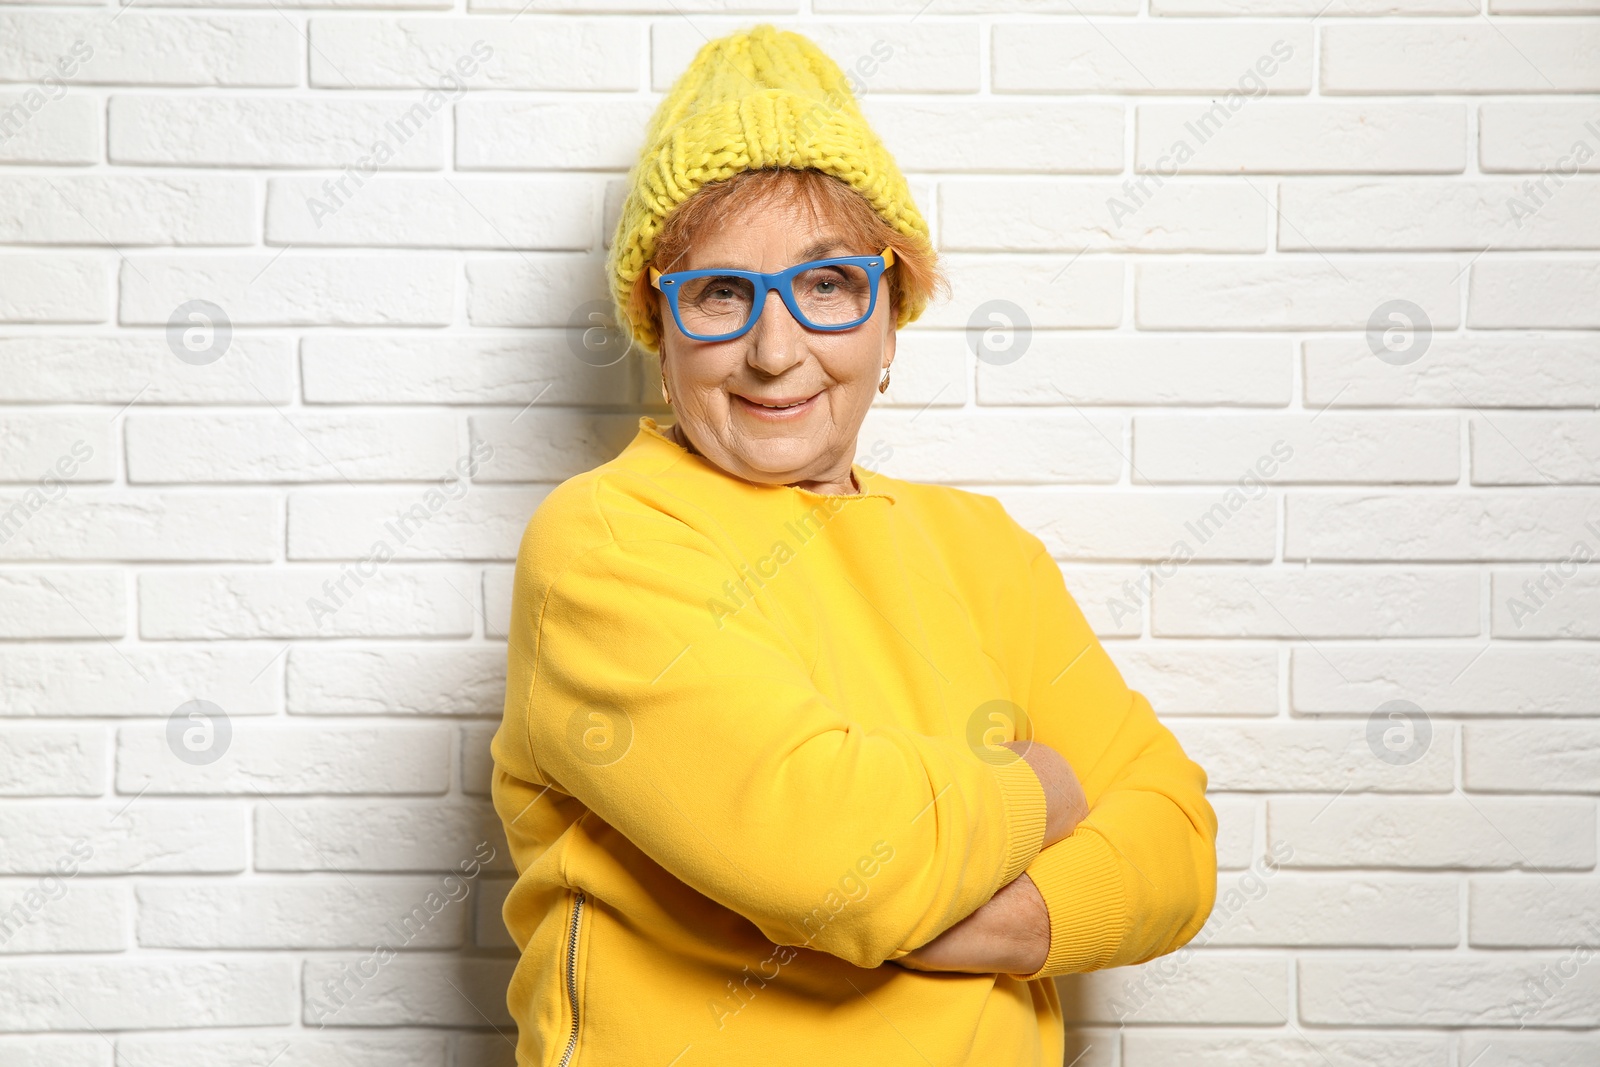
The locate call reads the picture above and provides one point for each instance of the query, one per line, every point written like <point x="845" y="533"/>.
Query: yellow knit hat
<point x="758" y="98"/>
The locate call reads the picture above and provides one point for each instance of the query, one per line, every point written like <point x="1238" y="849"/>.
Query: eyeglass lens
<point x="827" y="296"/>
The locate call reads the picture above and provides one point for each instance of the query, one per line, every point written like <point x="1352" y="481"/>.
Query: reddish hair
<point x="916" y="270"/>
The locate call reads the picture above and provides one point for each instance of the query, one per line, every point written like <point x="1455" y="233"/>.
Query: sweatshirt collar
<point x="872" y="483"/>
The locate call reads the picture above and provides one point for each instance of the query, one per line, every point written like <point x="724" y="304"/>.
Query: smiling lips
<point x="778" y="406"/>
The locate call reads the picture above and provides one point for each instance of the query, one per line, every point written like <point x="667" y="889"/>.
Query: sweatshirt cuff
<point x="1080" y="879"/>
<point x="1024" y="801"/>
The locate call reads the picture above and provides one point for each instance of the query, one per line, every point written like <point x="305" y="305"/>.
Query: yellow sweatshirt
<point x="746" y="762"/>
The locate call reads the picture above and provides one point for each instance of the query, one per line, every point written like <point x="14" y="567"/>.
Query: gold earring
<point x="885" y="383"/>
<point x="664" y="394"/>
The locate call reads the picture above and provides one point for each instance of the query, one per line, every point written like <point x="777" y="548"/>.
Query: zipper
<point x="572" y="977"/>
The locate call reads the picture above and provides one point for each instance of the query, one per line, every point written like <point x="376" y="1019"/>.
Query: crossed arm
<point x="1011" y="933"/>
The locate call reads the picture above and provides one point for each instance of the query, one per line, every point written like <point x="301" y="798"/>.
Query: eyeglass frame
<point x="779" y="281"/>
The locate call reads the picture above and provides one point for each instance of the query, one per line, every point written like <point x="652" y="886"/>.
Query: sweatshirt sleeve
<point x="701" y="738"/>
<point x="1137" y="878"/>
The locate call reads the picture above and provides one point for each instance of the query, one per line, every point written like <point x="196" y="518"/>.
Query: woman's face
<point x="718" y="387"/>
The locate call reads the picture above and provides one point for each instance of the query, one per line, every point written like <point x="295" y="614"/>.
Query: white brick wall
<point x="1292" y="508"/>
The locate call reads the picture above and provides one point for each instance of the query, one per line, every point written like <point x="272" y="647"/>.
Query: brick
<point x="1166" y="529"/>
<point x="118" y="210"/>
<point x="1317" y="8"/>
<point x="69" y="447"/>
<point x="1192" y="678"/>
<point x="1433" y="215"/>
<point x="1529" y="292"/>
<point x="1236" y="831"/>
<point x="540" y="367"/>
<point x="397" y="680"/>
<point x="1245" y="59"/>
<point x="1443" y="526"/>
<point x="272" y="131"/>
<point x="407" y="991"/>
<point x="1540" y="136"/>
<point x="55" y="287"/>
<point x="292" y="289"/>
<point x="97" y="679"/>
<point x="284" y="446"/>
<point x="1528" y="1048"/>
<point x="1043" y="216"/>
<point x="1272" y="1048"/>
<point x="1215" y="988"/>
<point x="85" y="369"/>
<point x="1265" y="908"/>
<point x="321" y="835"/>
<point x="453" y="54"/>
<point x="566" y="134"/>
<point x="1470" y="56"/>
<point x="294" y="1048"/>
<point x="1291" y="293"/>
<point x="1557" y="600"/>
<point x="497" y="585"/>
<point x="63" y="603"/>
<point x="154" y="49"/>
<point x="52" y="761"/>
<point x="302" y="913"/>
<point x="1545" y="757"/>
<point x="84" y="524"/>
<point x="535" y="289"/>
<point x="455" y="521"/>
<point x="1488" y="833"/>
<point x="459" y="212"/>
<point x="477" y="766"/>
<point x="489" y="928"/>
<point x="1455" y="680"/>
<point x="1396" y="989"/>
<point x="1300" y="137"/>
<point x="1052" y="291"/>
<point x="1481" y="371"/>
<point x="1535" y="450"/>
<point x="1295" y="449"/>
<point x="58" y="914"/>
<point x="137" y="836"/>
<point x="551" y="445"/>
<point x="1310" y="757"/>
<point x="892" y="56"/>
<point x="1112" y="599"/>
<point x="990" y="134"/>
<point x="127" y="994"/>
<point x="262" y="758"/>
<point x="1061" y="367"/>
<point x="1204" y="601"/>
<point x="56" y="129"/>
<point x="1505" y="911"/>
<point x="35" y="1050"/>
<point x="394" y="601"/>
<point x="972" y="7"/>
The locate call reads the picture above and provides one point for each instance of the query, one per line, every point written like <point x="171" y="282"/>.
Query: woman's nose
<point x="777" y="338"/>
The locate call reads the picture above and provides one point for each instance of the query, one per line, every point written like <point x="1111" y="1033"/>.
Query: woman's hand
<point x="1008" y="935"/>
<point x="1065" y="804"/>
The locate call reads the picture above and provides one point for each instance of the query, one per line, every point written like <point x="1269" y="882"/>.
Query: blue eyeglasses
<point x="825" y="294"/>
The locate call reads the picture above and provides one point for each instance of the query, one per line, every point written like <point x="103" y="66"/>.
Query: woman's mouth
<point x="777" y="409"/>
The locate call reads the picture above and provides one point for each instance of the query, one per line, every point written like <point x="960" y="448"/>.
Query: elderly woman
<point x="802" y="763"/>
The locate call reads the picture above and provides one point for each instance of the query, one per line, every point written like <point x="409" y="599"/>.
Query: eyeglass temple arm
<point x="887" y="254"/>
